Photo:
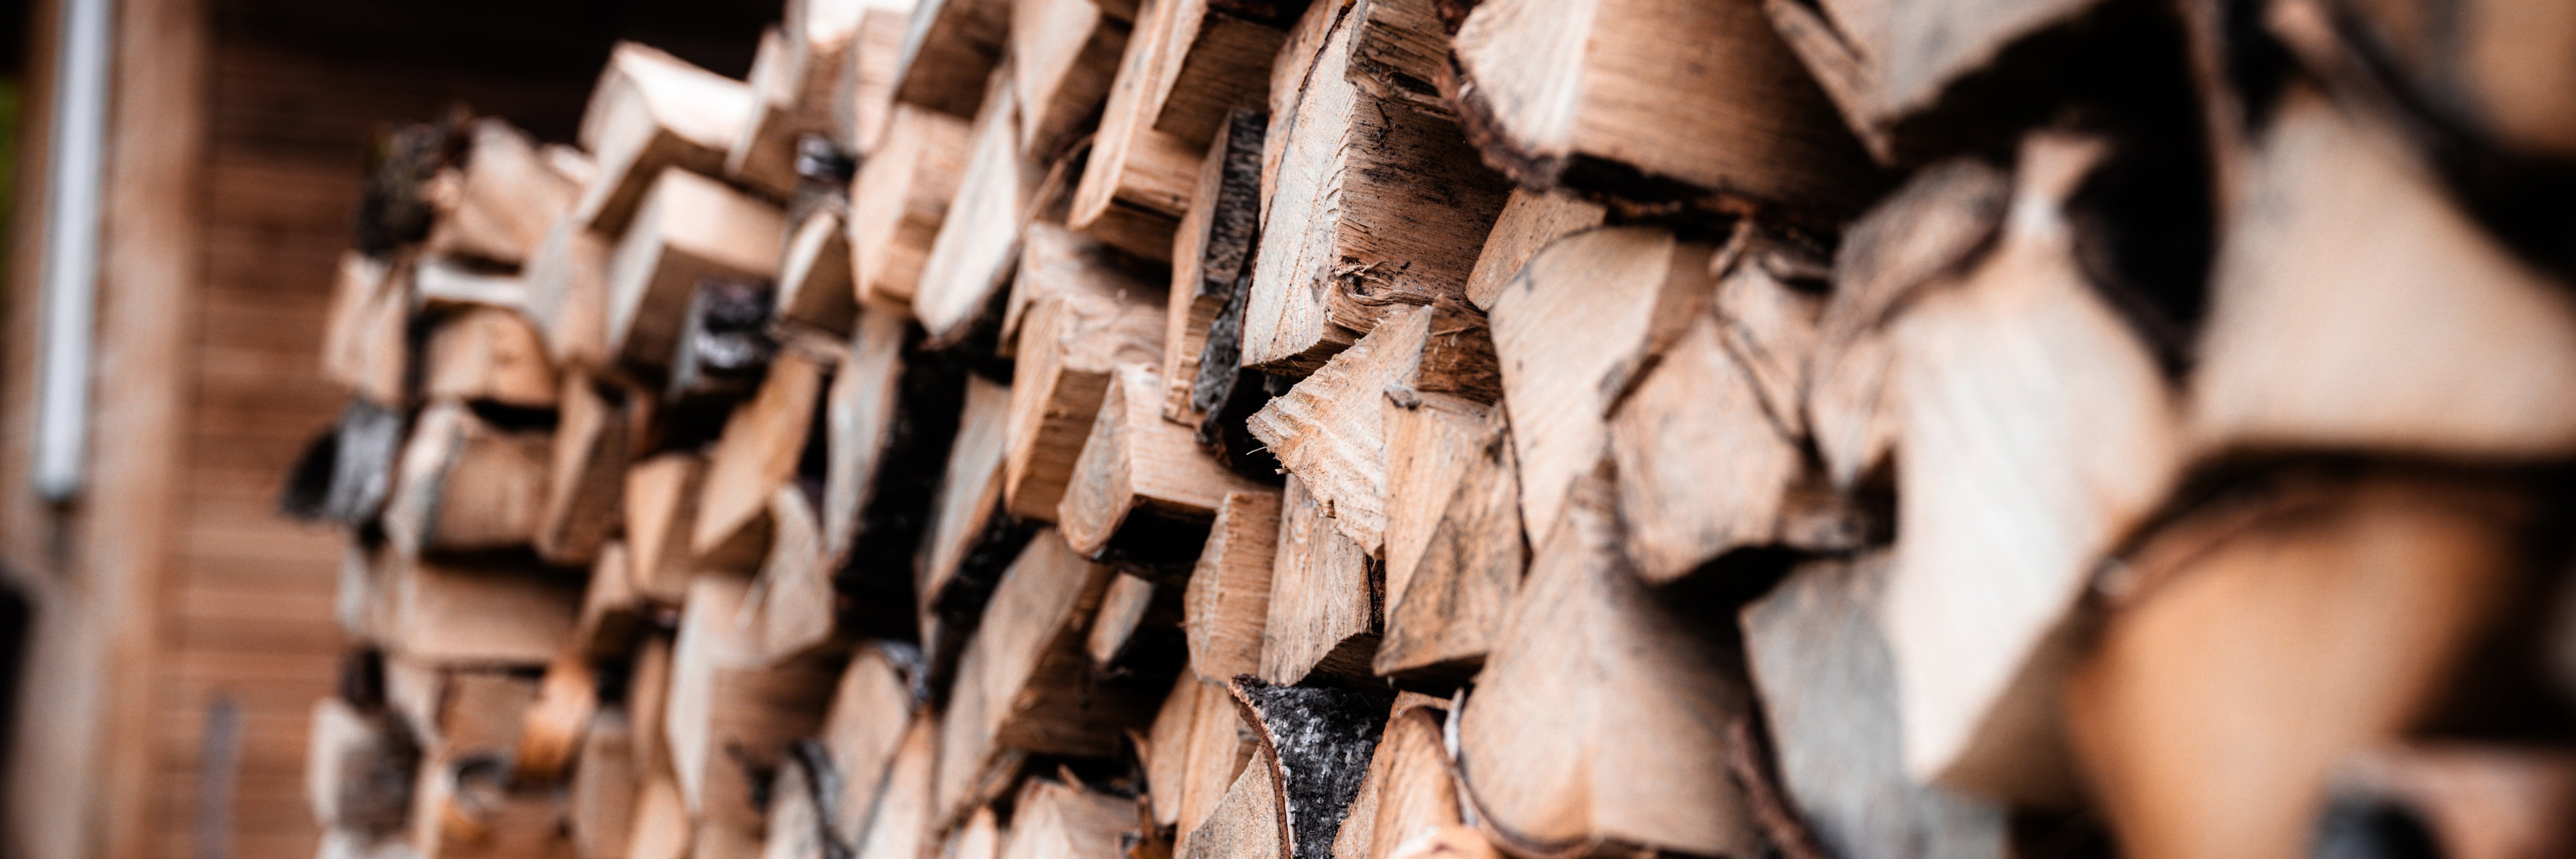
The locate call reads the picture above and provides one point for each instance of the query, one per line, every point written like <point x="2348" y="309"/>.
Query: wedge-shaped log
<point x="1315" y="749"/>
<point x="1086" y="316"/>
<point x="649" y="113"/>
<point x="1618" y="288"/>
<point x="978" y="245"/>
<point x="795" y="828"/>
<point x="1529" y="221"/>
<point x="1211" y="59"/>
<point x="2355" y="306"/>
<point x="1195" y="754"/>
<point x="1408" y="793"/>
<point x="795" y="607"/>
<point x="1137" y="180"/>
<point x="604" y="788"/>
<point x="792" y="87"/>
<point x="863" y="95"/>
<point x="758" y="453"/>
<point x="1828" y="685"/>
<point x="1326" y="598"/>
<point x="1144" y="477"/>
<point x="504" y="198"/>
<point x="1744" y="121"/>
<point x="2266" y="639"/>
<point x="1600" y="717"/>
<point x="483" y="613"/>
<point x="892" y="414"/>
<point x="687" y="229"/>
<point x="1063" y="54"/>
<point x="1023" y="684"/>
<point x="1246" y="822"/>
<point x="1370" y="209"/>
<point x="2019" y="375"/>
<point x="901" y="197"/>
<point x="1209" y="253"/>
<point x="872" y="710"/>
<point x="730" y="713"/>
<point x="1454" y="551"/>
<point x="465" y="485"/>
<point x="586" y="482"/>
<point x="1228" y="601"/>
<point x="1330" y="430"/>
<point x="661" y="503"/>
<point x="949" y="48"/>
<point x="1052" y="820"/>
<point x="612" y="620"/>
<point x="815" y="286"/>
<point x="971" y="538"/>
<point x="567" y="278"/>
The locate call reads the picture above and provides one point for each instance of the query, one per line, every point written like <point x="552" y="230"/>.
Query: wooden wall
<point x="232" y="601"/>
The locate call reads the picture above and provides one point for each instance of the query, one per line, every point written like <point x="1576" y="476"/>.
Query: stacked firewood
<point x="1354" y="429"/>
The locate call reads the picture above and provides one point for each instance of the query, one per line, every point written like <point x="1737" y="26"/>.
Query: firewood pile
<point x="1390" y="429"/>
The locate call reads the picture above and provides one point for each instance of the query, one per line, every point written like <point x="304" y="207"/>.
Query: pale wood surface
<point x="901" y="197"/>
<point x="1325" y="597"/>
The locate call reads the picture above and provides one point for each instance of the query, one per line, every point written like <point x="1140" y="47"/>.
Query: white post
<point x="70" y="267"/>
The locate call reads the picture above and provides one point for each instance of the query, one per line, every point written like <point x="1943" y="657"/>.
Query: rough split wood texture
<point x="687" y="228"/>
<point x="653" y="112"/>
<point x="1649" y="100"/>
<point x="900" y="198"/>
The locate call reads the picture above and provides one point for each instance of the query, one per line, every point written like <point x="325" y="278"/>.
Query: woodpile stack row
<point x="1387" y="429"/>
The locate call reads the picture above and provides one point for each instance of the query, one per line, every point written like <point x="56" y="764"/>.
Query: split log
<point x="792" y="92"/>
<point x="586" y="482"/>
<point x="506" y="196"/>
<point x="1246" y="823"/>
<point x="762" y="443"/>
<point x="1315" y="748"/>
<point x="1454" y="551"/>
<point x="949" y="49"/>
<point x="1209" y="253"/>
<point x="863" y="96"/>
<point x="567" y="278"/>
<point x="439" y="284"/>
<point x="730" y="714"/>
<point x="1326" y="598"/>
<point x="1052" y="820"/>
<point x="1024" y="684"/>
<point x="725" y="347"/>
<point x="1706" y="464"/>
<point x="1409" y="791"/>
<point x="796" y="829"/>
<point x="689" y="228"/>
<point x="1330" y="429"/>
<point x="612" y="609"/>
<point x="662" y="826"/>
<point x="1626" y="290"/>
<point x="1930" y="227"/>
<point x="971" y="538"/>
<point x="1086" y="316"/>
<point x="1138" y="626"/>
<point x="1528" y="222"/>
<point x="1137" y="180"/>
<point x="2255" y="644"/>
<point x="1212" y="59"/>
<point x="604" y="788"/>
<point x="1142" y="494"/>
<point x="650" y="113"/>
<point x="901" y="197"/>
<point x="1599" y="720"/>
<point x="903" y="822"/>
<point x="464" y="484"/>
<point x="1828" y="686"/>
<point x="1196" y="755"/>
<point x="1227" y="605"/>
<point x="873" y="709"/>
<point x="978" y="244"/>
<point x="551" y="730"/>
<point x="2019" y="374"/>
<point x="648" y="706"/>
<point x="661" y="501"/>
<point x="892" y="414"/>
<point x="795" y="608"/>
<point x="2397" y="298"/>
<point x="1393" y="207"/>
<point x="358" y="769"/>
<point x="1063" y="54"/>
<point x="815" y="286"/>
<point x="1736" y="115"/>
